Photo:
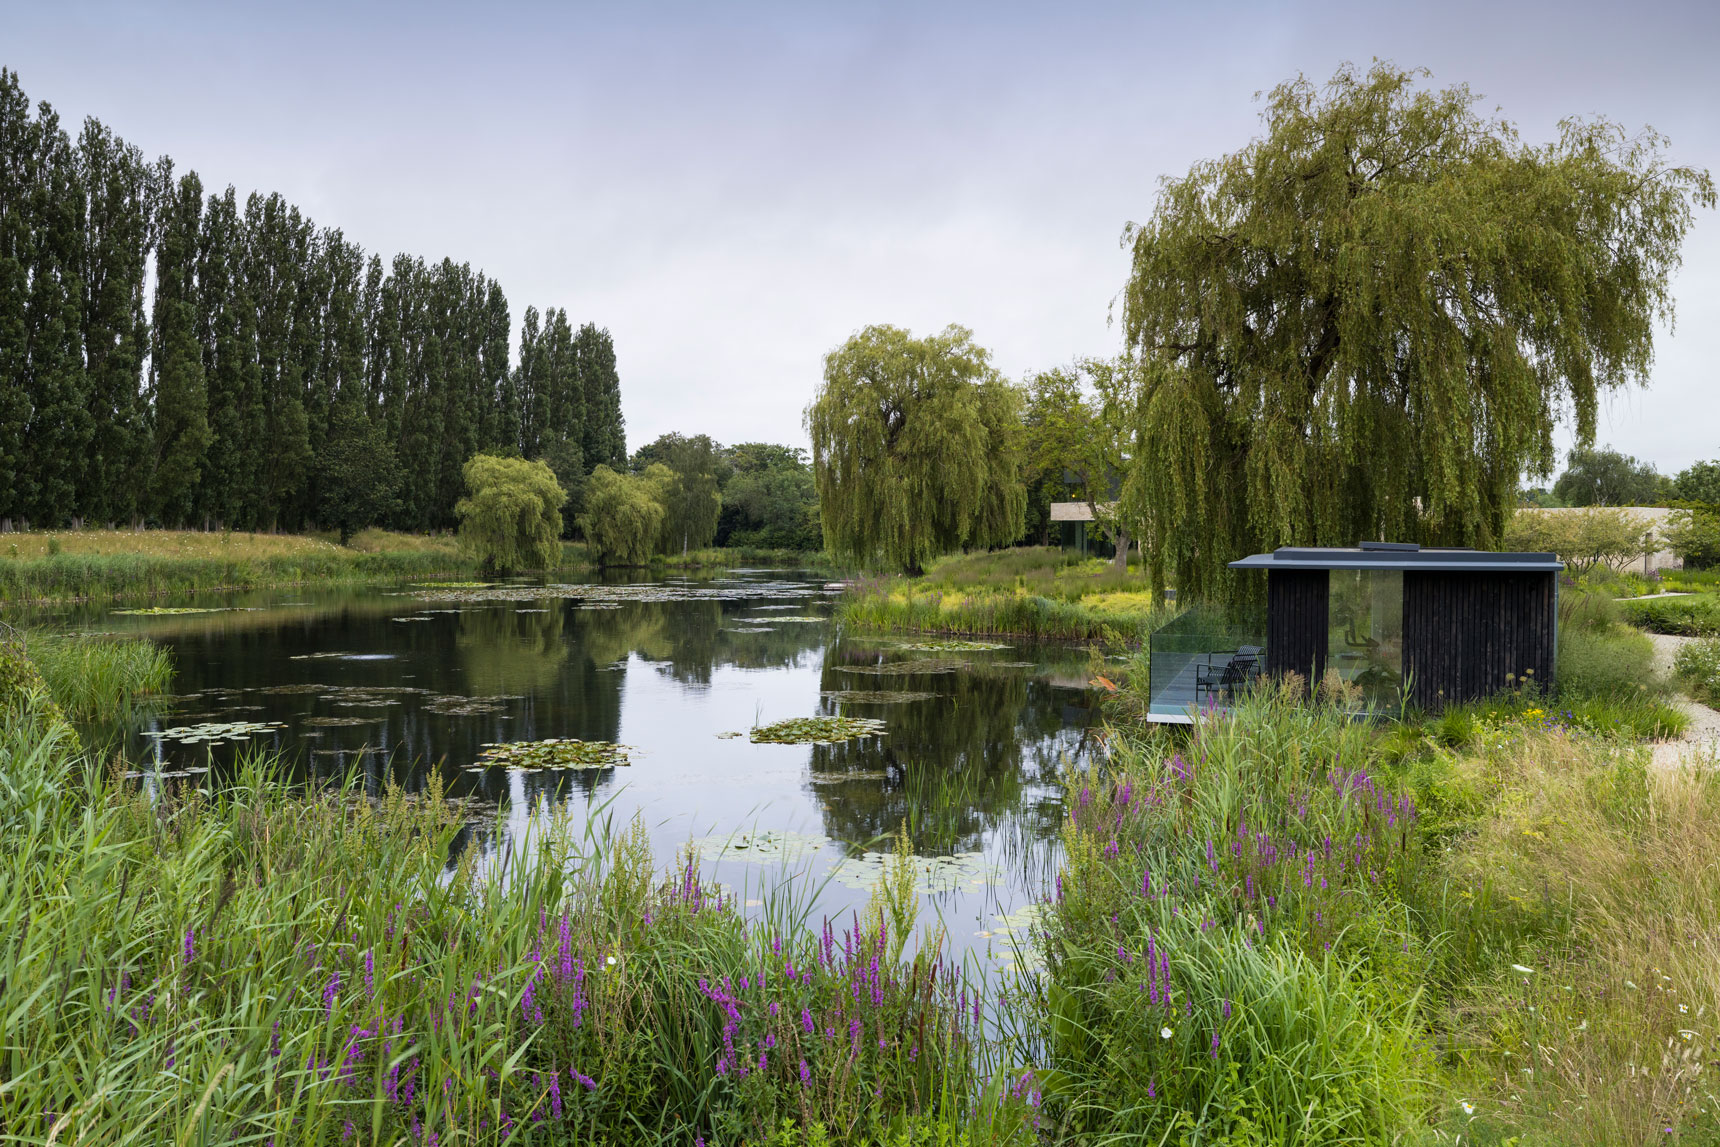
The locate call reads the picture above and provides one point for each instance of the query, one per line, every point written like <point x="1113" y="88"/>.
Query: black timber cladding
<point x="1296" y="605"/>
<point x="1465" y="632"/>
<point x="1475" y="622"/>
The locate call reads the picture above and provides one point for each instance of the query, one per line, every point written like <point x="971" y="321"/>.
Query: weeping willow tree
<point x="510" y="518"/>
<point x="1369" y="322"/>
<point x="623" y="516"/>
<point x="916" y="448"/>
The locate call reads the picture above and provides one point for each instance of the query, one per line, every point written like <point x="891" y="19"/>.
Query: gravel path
<point x="1701" y="742"/>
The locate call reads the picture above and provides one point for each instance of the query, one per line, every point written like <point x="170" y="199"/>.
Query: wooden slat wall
<point x="1463" y="632"/>
<point x="1296" y="603"/>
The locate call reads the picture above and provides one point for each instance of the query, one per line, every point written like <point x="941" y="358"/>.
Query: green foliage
<point x="1616" y="662"/>
<point x="691" y="490"/>
<point x="623" y="519"/>
<point x="97" y="678"/>
<point x="1694" y="535"/>
<point x="359" y="478"/>
<point x="1319" y="311"/>
<point x="1699" y="482"/>
<point x="79" y="576"/>
<point x="916" y="448"/>
<point x="769" y="500"/>
<point x="22" y="687"/>
<point x="1608" y="478"/>
<point x="264" y="324"/>
<point x="1079" y="434"/>
<point x="1694" y="616"/>
<point x="562" y="456"/>
<point x="1212" y="971"/>
<point x="1697" y="664"/>
<point x="511" y="518"/>
<point x="249" y="939"/>
<point x="1583" y="539"/>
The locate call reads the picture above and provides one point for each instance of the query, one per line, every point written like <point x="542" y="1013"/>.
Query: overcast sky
<point x="734" y="189"/>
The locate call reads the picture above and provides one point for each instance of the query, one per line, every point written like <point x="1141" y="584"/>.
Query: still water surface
<point x="403" y="680"/>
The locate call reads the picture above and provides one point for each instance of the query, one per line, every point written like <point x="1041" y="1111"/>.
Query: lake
<point x="399" y="681"/>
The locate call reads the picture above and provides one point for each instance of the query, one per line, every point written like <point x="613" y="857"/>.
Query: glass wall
<point x="1364" y="644"/>
<point x="1201" y="660"/>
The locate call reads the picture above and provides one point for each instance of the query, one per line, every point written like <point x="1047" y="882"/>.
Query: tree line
<point x="1367" y="323"/>
<point x="180" y="355"/>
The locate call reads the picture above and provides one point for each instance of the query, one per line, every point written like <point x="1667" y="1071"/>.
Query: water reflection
<point x="395" y="686"/>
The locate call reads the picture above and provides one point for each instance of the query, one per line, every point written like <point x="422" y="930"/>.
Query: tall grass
<point x="97" y="678"/>
<point x="1221" y="967"/>
<point x="69" y="576"/>
<point x="255" y="964"/>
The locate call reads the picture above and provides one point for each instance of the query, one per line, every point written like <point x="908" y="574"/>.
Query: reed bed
<point x="257" y="964"/>
<point x="73" y="576"/>
<point x="99" y="679"/>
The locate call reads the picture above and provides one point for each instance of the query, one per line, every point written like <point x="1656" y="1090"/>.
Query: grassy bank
<point x="1039" y="592"/>
<point x="73" y="565"/>
<point x="1289" y="927"/>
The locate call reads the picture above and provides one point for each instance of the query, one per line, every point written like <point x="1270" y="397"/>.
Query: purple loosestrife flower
<point x="190" y="944"/>
<point x="805" y="1074"/>
<point x="331" y="992"/>
<point x="1215" y="1045"/>
<point x="1151" y="1093"/>
<point x="584" y="1081"/>
<point x="369" y="973"/>
<point x="1227" y="1007"/>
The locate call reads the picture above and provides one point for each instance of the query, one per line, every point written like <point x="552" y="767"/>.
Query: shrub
<point x="1583" y="539"/>
<point x="1698" y="666"/>
<point x="1694" y="616"/>
<point x="511" y="516"/>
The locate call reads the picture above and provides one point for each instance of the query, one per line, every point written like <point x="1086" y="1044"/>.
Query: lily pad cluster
<point x="951" y="646"/>
<point x="609" y="596"/>
<point x="553" y="753"/>
<point x="211" y="732"/>
<point x="760" y="846"/>
<point x="450" y="705"/>
<point x="915" y="665"/>
<point x="817" y="730"/>
<point x="171" y="610"/>
<point x="875" y="696"/>
<point x="963" y="872"/>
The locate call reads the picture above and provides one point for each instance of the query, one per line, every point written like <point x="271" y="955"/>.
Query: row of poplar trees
<point x="188" y="357"/>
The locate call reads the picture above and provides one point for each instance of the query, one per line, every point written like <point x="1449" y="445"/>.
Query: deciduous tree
<point x="1367" y="322"/>
<point x="510" y="518"/>
<point x="916" y="448"/>
<point x="622" y="520"/>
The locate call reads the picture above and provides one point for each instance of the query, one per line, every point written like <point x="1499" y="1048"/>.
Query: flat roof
<point x="1399" y="556"/>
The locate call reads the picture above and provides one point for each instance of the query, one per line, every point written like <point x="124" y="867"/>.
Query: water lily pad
<point x="338" y="722"/>
<point x="875" y="696"/>
<point x="951" y="646"/>
<point x="917" y="665"/>
<point x="452" y="584"/>
<point x="817" y="730"/>
<point x="456" y="706"/>
<point x="763" y="846"/>
<point x="211" y="731"/>
<point x="171" y="610"/>
<point x="555" y="753"/>
<point x="290" y="690"/>
<point x="965" y="871"/>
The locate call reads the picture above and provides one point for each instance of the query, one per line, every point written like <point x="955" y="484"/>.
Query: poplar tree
<point x="1368" y="322"/>
<point x="18" y="145"/>
<point x="916" y="448"/>
<point x="180" y="394"/>
<point x="603" y="434"/>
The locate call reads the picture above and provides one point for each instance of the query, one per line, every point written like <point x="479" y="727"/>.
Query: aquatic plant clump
<point x="213" y="731"/>
<point x="171" y="610"/>
<point x="951" y="646"/>
<point x="875" y="696"/>
<point x="817" y="730"/>
<point x="916" y="665"/>
<point x="554" y="753"/>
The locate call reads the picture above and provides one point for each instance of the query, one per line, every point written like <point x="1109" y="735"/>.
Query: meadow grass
<point x="1036" y="592"/>
<point x="1287" y="926"/>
